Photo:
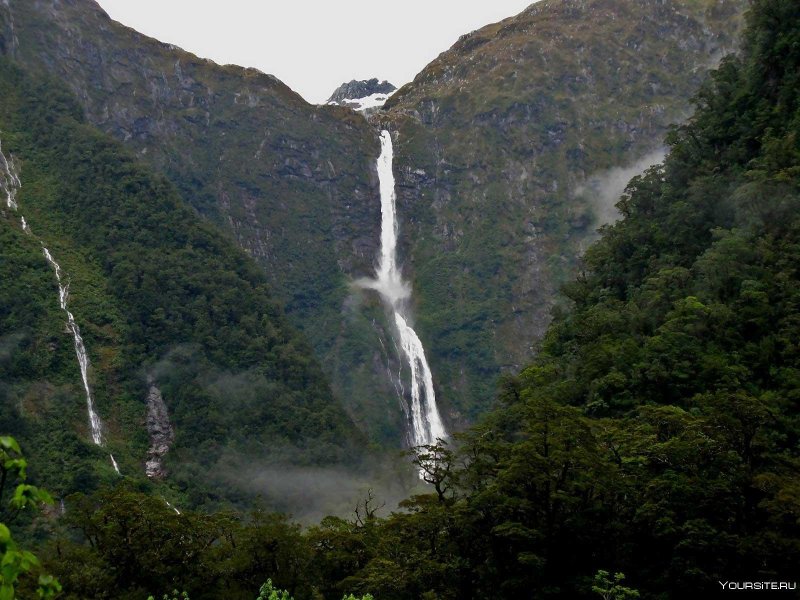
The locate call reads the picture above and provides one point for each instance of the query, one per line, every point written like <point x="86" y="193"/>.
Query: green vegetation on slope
<point x="290" y="183"/>
<point x="657" y="433"/>
<point x="655" y="436"/>
<point x="156" y="292"/>
<point x="494" y="140"/>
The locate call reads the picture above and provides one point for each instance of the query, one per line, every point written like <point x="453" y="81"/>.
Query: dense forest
<point x="650" y="450"/>
<point x="159" y="295"/>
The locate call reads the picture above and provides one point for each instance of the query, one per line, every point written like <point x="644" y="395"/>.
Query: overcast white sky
<point x="314" y="45"/>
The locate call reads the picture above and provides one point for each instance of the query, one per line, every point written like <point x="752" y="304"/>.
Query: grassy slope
<point x="155" y="290"/>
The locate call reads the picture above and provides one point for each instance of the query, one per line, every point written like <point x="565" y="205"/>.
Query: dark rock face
<point x="293" y="184"/>
<point x="244" y="149"/>
<point x="160" y="432"/>
<point x="494" y="142"/>
<point x="360" y="89"/>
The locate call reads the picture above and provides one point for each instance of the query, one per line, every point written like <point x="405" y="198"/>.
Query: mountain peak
<point x="362" y="94"/>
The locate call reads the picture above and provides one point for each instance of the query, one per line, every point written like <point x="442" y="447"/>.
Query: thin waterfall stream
<point x="11" y="184"/>
<point x="80" y="349"/>
<point x="426" y="423"/>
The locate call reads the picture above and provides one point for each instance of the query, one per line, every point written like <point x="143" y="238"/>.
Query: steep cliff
<point x="293" y="184"/>
<point x="156" y="291"/>
<point x="505" y="148"/>
<point x="497" y="140"/>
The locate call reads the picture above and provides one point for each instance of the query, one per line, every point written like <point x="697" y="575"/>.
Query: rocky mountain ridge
<point x="355" y="89"/>
<point x="291" y="183"/>
<point x="494" y="141"/>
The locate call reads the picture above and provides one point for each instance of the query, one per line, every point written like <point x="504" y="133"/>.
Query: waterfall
<point x="95" y="424"/>
<point x="177" y="512"/>
<point x="426" y="424"/>
<point x="10" y="184"/>
<point x="9" y="180"/>
<point x="80" y="352"/>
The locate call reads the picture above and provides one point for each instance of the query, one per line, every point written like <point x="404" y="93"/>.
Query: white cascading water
<point x="10" y="183"/>
<point x="426" y="424"/>
<point x="80" y="351"/>
<point x="10" y="180"/>
<point x="177" y="512"/>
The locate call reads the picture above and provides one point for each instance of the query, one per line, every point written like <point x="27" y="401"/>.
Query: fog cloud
<point x="9" y="344"/>
<point x="603" y="189"/>
<point x="310" y="493"/>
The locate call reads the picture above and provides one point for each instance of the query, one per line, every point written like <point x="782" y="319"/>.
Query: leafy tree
<point x="435" y="462"/>
<point x="268" y="592"/>
<point x="610" y="589"/>
<point x="15" y="562"/>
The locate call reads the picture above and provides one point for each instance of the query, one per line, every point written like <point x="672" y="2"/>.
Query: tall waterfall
<point x="426" y="424"/>
<point x="80" y="352"/>
<point x="10" y="184"/>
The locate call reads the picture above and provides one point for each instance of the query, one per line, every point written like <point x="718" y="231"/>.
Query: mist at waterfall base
<point x="9" y="343"/>
<point x="309" y="493"/>
<point x="280" y="477"/>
